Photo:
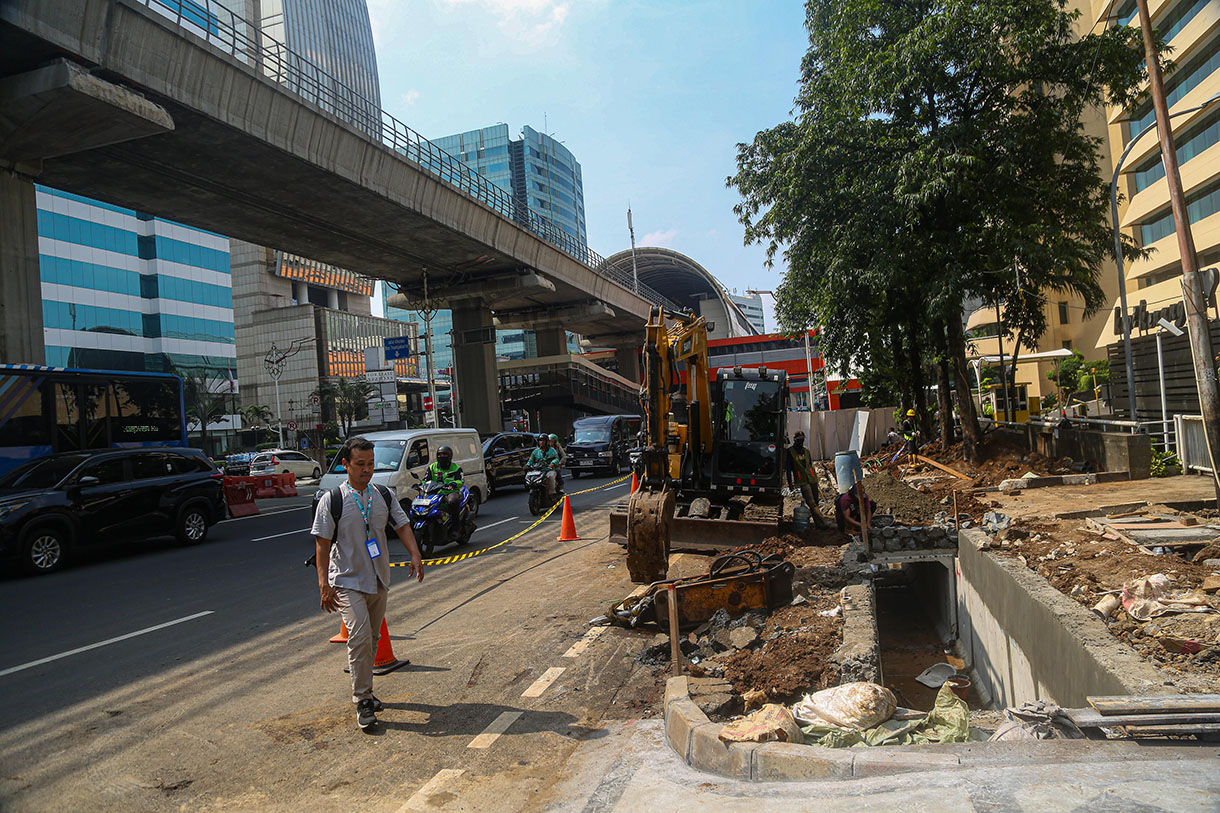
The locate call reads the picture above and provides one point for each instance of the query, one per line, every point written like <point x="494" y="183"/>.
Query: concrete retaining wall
<point x="1024" y="640"/>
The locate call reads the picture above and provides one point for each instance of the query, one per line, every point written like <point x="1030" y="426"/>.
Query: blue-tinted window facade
<point x="159" y="282"/>
<point x="1186" y="78"/>
<point x="1201" y="204"/>
<point x="1191" y="143"/>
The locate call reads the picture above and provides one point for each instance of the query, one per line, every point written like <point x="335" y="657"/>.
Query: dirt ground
<point x="1085" y="566"/>
<point x="1001" y="461"/>
<point x="896" y="497"/>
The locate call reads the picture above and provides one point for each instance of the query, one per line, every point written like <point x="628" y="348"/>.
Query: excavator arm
<point x="675" y="453"/>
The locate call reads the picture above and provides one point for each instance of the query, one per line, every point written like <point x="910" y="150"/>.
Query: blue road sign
<point x="397" y="347"/>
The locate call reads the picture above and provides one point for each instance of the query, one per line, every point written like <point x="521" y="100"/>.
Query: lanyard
<point x="364" y="510"/>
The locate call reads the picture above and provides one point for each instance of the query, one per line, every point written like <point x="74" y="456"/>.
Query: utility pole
<point x="635" y="274"/>
<point x="1193" y="294"/>
<point x="427" y="312"/>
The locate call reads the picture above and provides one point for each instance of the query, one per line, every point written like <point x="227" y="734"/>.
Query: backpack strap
<point x="385" y="494"/>
<point x="336" y="505"/>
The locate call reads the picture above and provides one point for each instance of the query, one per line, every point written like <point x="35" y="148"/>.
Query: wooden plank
<point x="1155" y="703"/>
<point x="940" y="466"/>
<point x="1147" y="526"/>
<point x="1127" y="514"/>
<point x="1171" y="730"/>
<point x="1093" y="719"/>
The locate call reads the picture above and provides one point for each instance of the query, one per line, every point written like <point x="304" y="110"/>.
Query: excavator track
<point x="650" y="516"/>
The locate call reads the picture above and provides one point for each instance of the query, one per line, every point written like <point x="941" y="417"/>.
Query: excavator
<point x="712" y="453"/>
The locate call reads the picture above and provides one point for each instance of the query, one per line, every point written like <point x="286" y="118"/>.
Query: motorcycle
<point x="536" y="483"/>
<point x="433" y="523"/>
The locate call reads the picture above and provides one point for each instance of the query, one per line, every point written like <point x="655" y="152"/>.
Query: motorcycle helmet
<point x="444" y="456"/>
<point x="554" y="438"/>
<point x="543" y="437"/>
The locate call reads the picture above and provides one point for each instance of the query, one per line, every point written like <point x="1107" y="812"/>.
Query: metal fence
<point x="1192" y="444"/>
<point x="1162" y="433"/>
<point x="246" y="42"/>
<point x="524" y="387"/>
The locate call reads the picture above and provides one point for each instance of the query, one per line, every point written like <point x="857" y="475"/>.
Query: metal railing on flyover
<point x="248" y="43"/>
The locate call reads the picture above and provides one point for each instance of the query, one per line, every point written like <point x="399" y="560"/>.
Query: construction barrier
<point x="266" y="486"/>
<point x="459" y="557"/>
<point x="239" y="496"/>
<point x="286" y="485"/>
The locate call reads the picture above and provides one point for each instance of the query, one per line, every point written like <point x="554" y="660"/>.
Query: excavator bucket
<point x="650" y="516"/>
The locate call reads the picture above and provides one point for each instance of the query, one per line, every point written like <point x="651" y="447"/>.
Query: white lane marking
<point x="492" y="732"/>
<point x="543" y="683"/>
<point x="583" y="644"/>
<point x="419" y="799"/>
<point x="266" y="513"/>
<point x="276" y="536"/>
<point x="494" y="524"/>
<point x="620" y="485"/>
<point x="108" y="641"/>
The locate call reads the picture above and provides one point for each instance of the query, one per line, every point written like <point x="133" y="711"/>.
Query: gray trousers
<point x="362" y="614"/>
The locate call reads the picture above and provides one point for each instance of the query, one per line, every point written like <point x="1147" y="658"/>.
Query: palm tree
<point x="347" y="399"/>
<point x="255" y="415"/>
<point x="204" y="404"/>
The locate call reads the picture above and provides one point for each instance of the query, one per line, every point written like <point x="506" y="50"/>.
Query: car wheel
<point x="44" y="548"/>
<point x="192" y="524"/>
<point x="575" y="474"/>
<point x="317" y="473"/>
<point x="491" y="486"/>
<point x="475" y="501"/>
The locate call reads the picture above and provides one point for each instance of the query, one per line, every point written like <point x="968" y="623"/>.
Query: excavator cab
<point x="749" y="420"/>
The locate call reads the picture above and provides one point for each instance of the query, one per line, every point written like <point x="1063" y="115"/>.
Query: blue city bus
<point x="56" y="409"/>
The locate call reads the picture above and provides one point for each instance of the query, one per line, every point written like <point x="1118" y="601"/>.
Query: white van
<point x="401" y="452"/>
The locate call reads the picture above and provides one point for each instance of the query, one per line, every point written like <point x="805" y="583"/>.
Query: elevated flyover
<point x="186" y="110"/>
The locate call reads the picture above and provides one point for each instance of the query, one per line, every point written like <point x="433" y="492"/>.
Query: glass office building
<point x="123" y="290"/>
<point x="543" y="174"/>
<point x="538" y="170"/>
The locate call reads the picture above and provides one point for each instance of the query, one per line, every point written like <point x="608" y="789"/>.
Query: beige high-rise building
<point x="1192" y="29"/>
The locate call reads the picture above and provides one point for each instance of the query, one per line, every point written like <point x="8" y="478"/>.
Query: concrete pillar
<point x="332" y="299"/>
<point x="474" y="357"/>
<point x="552" y="341"/>
<point x="628" y="358"/>
<point x="300" y="292"/>
<point x="21" y="339"/>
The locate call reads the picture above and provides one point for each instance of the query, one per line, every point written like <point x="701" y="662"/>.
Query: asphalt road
<point x="248" y="577"/>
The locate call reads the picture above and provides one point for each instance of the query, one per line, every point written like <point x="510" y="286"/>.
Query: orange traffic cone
<point x="567" y="529"/>
<point x="635" y="483"/>
<point x="385" y="660"/>
<point x="341" y="638"/>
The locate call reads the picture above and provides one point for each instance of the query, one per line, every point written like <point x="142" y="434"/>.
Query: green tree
<point x="206" y="400"/>
<point x="257" y="415"/>
<point x="937" y="154"/>
<point x="348" y="400"/>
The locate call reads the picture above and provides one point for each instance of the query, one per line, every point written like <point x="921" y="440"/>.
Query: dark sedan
<point x="55" y="504"/>
<point x="504" y="457"/>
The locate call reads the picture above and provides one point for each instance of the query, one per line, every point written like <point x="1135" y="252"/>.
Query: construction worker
<point x="546" y="458"/>
<point x="800" y="469"/>
<point x="449" y="474"/>
<point x="910" y="432"/>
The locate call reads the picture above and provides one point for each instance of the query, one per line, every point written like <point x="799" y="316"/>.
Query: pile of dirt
<point x="1084" y="566"/>
<point x="1002" y="460"/>
<point x="785" y="544"/>
<point x="794" y="658"/>
<point x="898" y="498"/>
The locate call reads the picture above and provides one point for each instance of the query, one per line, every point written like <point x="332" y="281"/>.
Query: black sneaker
<point x="377" y="707"/>
<point x="366" y="716"/>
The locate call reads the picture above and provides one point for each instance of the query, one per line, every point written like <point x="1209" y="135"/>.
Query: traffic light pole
<point x="1193" y="293"/>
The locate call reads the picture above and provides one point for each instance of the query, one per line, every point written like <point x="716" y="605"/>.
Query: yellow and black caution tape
<point x="457" y="557"/>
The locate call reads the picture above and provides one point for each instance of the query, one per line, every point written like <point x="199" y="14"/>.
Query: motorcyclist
<point x="449" y="474"/>
<point x="563" y="459"/>
<point x="546" y="459"/>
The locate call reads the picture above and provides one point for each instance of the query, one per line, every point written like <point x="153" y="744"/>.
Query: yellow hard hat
<point x="910" y="413"/>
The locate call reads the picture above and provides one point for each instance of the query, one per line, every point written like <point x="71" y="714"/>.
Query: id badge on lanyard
<point x="370" y="540"/>
<point x="374" y="548"/>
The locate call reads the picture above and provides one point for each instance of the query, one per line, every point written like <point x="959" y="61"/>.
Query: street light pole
<point x="1193" y="295"/>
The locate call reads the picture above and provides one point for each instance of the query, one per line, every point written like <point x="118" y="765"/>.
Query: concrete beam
<point x="569" y="317"/>
<point x="20" y="286"/>
<point x="487" y="291"/>
<point x="60" y="109"/>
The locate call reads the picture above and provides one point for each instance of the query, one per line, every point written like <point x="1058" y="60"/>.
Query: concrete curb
<point x="1023" y="483"/>
<point x="694" y="738"/>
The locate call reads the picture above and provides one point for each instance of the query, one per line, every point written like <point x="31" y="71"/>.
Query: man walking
<point x="800" y="470"/>
<point x="353" y="564"/>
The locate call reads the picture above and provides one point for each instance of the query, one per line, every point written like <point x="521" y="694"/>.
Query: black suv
<point x="53" y="504"/>
<point x="504" y="457"/>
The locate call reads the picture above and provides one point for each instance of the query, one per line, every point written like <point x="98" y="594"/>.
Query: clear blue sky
<point x="651" y="96"/>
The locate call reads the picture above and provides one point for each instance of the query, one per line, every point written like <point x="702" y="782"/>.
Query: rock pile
<point x="887" y="536"/>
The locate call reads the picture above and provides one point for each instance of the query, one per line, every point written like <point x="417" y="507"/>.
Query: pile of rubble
<point x="888" y="536"/>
